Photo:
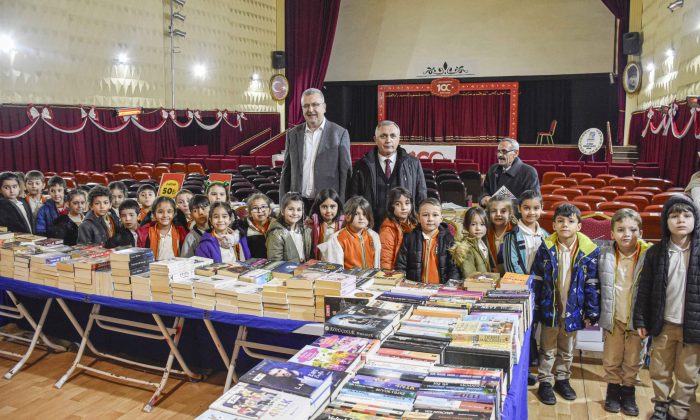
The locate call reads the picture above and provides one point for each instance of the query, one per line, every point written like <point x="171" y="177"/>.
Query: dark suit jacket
<point x="12" y="219"/>
<point x="519" y="178"/>
<point x="332" y="166"/>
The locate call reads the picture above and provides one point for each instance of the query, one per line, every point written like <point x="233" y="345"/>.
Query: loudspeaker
<point x="632" y="43"/>
<point x="278" y="59"/>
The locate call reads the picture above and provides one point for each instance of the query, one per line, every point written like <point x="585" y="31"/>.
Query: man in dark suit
<point x="509" y="172"/>
<point x="15" y="214"/>
<point x="317" y="154"/>
<point x="385" y="167"/>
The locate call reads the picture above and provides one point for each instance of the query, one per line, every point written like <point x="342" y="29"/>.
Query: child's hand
<point x="642" y="332"/>
<point x="587" y="322"/>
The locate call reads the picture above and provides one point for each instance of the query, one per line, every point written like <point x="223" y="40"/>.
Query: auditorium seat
<point x="213" y="164"/>
<point x="550" y="162"/>
<point x="651" y="225"/>
<point x="628" y="183"/>
<point x="274" y="195"/>
<point x="445" y="171"/>
<point x="596" y="168"/>
<point x="549" y="188"/>
<point x="580" y="204"/>
<point x="543" y="168"/>
<point x="122" y="176"/>
<point x="110" y="176"/>
<point x="596" y="225"/>
<point x="132" y="168"/>
<point x="264" y="160"/>
<point x="178" y="167"/>
<point x="547" y="220"/>
<point x="565" y="182"/>
<point x="654" y="208"/>
<point x="99" y="179"/>
<point x="614" y="206"/>
<point x="159" y="171"/>
<point x="70" y="182"/>
<point x="570" y="193"/>
<point x="653" y="190"/>
<point x="268" y="173"/>
<point x="240" y="185"/>
<point x="229" y="163"/>
<point x="472" y="182"/>
<point x="661" y="198"/>
<point x="618" y="189"/>
<point x="592" y="200"/>
<point x="453" y="191"/>
<point x="585" y="189"/>
<point x="195" y="168"/>
<point x="445" y="176"/>
<point x="66" y="174"/>
<point x="578" y="176"/>
<point x="82" y="178"/>
<point x="647" y="171"/>
<point x="621" y="170"/>
<point x="676" y="189"/>
<point x="662" y="184"/>
<point x="550" y="176"/>
<point x="148" y="169"/>
<point x="549" y="199"/>
<point x="606" y="177"/>
<point x="429" y="183"/>
<point x="264" y="188"/>
<point x="433" y="193"/>
<point x="444" y="165"/>
<point x="243" y="193"/>
<point x="609" y="195"/>
<point x="593" y="182"/>
<point x="638" y="200"/>
<point x="648" y="194"/>
<point x="141" y="176"/>
<point x="117" y="167"/>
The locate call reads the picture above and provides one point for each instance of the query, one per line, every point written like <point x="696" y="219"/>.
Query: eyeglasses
<point x="259" y="209"/>
<point x="503" y="151"/>
<point x="312" y="105"/>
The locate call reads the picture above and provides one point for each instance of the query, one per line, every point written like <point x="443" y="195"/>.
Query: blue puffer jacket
<point x="584" y="293"/>
<point x="514" y="252"/>
<point x="45" y="217"/>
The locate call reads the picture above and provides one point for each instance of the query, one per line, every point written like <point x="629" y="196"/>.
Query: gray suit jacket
<point x="332" y="167"/>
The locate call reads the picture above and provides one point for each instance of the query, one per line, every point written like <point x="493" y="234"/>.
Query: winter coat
<point x="583" y="299"/>
<point x="650" y="306"/>
<point x="280" y="245"/>
<point x="513" y="249"/>
<point x="64" y="228"/>
<point x="123" y="237"/>
<point x="93" y="230"/>
<point x="332" y="251"/>
<point x="607" y="272"/>
<point x="208" y="247"/>
<point x="391" y="235"/>
<point x="410" y="259"/>
<point x="12" y="218"/>
<point x="189" y="246"/>
<point x="468" y="257"/>
<point x="256" y="239"/>
<point x="45" y="217"/>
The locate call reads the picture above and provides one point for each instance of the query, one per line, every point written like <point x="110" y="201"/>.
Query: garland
<point x="668" y="122"/>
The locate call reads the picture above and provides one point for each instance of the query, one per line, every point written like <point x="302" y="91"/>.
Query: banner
<point x="431" y="152"/>
<point x="170" y="184"/>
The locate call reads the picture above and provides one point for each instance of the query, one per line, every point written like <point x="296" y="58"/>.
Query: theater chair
<point x="82" y="178"/>
<point x="453" y="191"/>
<point x="591" y="200"/>
<point x="99" y="179"/>
<point x="70" y="182"/>
<point x="549" y="188"/>
<point x="434" y="193"/>
<point x="141" y="176"/>
<point x="122" y="176"/>
<point x="593" y="182"/>
<point x="580" y="204"/>
<point x="628" y="183"/>
<point x="663" y="197"/>
<point x="618" y="189"/>
<point x="621" y="170"/>
<point x="543" y="168"/>
<point x="648" y="194"/>
<point x="585" y="189"/>
<point x="274" y="195"/>
<point x="117" y="167"/>
<point x="606" y="177"/>
<point x="647" y="171"/>
<point x="662" y="184"/>
<point x="548" y="200"/>
<point x="651" y="225"/>
<point x="596" y="225"/>
<point x="550" y="176"/>
<point x="654" y="208"/>
<point x="243" y="193"/>
<point x="578" y="176"/>
<point x="640" y="201"/>
<point x="609" y="195"/>
<point x="565" y="182"/>
<point x="614" y="206"/>
<point x="569" y="193"/>
<point x="472" y="182"/>
<point x="653" y="190"/>
<point x="195" y="168"/>
<point x="178" y="167"/>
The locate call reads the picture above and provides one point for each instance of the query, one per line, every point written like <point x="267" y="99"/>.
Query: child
<point x="400" y="220"/>
<point x="53" y="207"/>
<point x="668" y="309"/>
<point x="15" y="214"/>
<point x="355" y="245"/>
<point x="500" y="210"/>
<point x="119" y="193"/>
<point x="469" y="252"/>
<point x="128" y="217"/>
<point x="22" y="187"/>
<point x="146" y="195"/>
<point x="34" y="182"/>
<point x="256" y="226"/>
<point x="217" y="192"/>
<point x="325" y="218"/>
<point x="182" y="201"/>
<point x="199" y="209"/>
<point x="66" y="225"/>
<point x="221" y="243"/>
<point x="522" y="242"/>
<point x="423" y="255"/>
<point x="619" y="266"/>
<point x="99" y="224"/>
<point x="287" y="238"/>
<point x="161" y="235"/>
<point x="567" y="292"/>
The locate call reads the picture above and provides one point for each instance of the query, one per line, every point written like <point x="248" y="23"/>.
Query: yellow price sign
<point x="170" y="184"/>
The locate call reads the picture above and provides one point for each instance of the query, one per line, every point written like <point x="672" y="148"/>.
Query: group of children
<point x="629" y="288"/>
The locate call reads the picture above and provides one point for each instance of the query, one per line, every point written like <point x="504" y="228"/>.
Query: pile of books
<point x="363" y="321"/>
<point x="226" y="293"/>
<point x="274" y="299"/>
<point x="481" y="282"/>
<point x="163" y="272"/>
<point x="125" y="263"/>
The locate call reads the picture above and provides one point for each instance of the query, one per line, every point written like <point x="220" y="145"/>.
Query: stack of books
<point x="163" y="272"/>
<point x="514" y="281"/>
<point x="333" y="304"/>
<point x="274" y="299"/>
<point x="253" y="402"/>
<point x="332" y="284"/>
<point x="385" y="280"/>
<point x="403" y="360"/>
<point x="257" y="276"/>
<point x="250" y="300"/>
<point x="226" y="293"/>
<point x="285" y="270"/>
<point x="481" y="282"/>
<point x="42" y="268"/>
<point x="300" y="295"/>
<point x="125" y="263"/>
<point x="21" y="258"/>
<point x="363" y="321"/>
<point x="141" y="286"/>
<point x="183" y="291"/>
<point x="211" y="269"/>
<point x="84" y="269"/>
<point x="201" y="292"/>
<point x="454" y="298"/>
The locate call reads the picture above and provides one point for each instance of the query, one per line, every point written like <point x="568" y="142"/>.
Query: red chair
<point x="596" y="225"/>
<point x="614" y="206"/>
<point x="550" y="176"/>
<point x="568" y="169"/>
<point x="148" y="169"/>
<point x="549" y="189"/>
<point x="606" y="177"/>
<point x="117" y="167"/>
<point x="444" y="165"/>
<point x="621" y="170"/>
<point x="592" y="200"/>
<point x="543" y="168"/>
<point x="580" y="204"/>
<point x="159" y="171"/>
<point x="651" y="226"/>
<point x="578" y="176"/>
<point x="628" y="183"/>
<point x="585" y="189"/>
<point x="547" y="220"/>
<point x="468" y="166"/>
<point x="565" y="182"/>
<point x="49" y="173"/>
<point x="661" y="198"/>
<point x="609" y="195"/>
<point x="66" y="174"/>
<point x="647" y="171"/>
<point x="547" y="136"/>
<point x="676" y="189"/>
<point x="593" y="182"/>
<point x="648" y="194"/>
<point x="638" y="200"/>
<point x="195" y="168"/>
<point x="110" y="176"/>
<point x="179" y="167"/>
<point x="164" y="165"/>
<point x="653" y="190"/>
<point x="122" y="175"/>
<point x="99" y="179"/>
<point x="70" y="182"/>
<point x="569" y="193"/>
<point x="618" y="189"/>
<point x="132" y="168"/>
<point x="213" y="164"/>
<point x="549" y="199"/>
<point x="141" y="176"/>
<point x="82" y="178"/>
<point x="662" y="184"/>
<point x="229" y="163"/>
<point x="654" y="208"/>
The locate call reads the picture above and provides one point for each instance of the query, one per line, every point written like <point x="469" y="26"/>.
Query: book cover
<point x="341" y="343"/>
<point x="294" y="378"/>
<point x="247" y="401"/>
<point x="336" y="360"/>
<point x="285" y="270"/>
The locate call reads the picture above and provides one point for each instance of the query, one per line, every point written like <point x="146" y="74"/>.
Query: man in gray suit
<point x="317" y="153"/>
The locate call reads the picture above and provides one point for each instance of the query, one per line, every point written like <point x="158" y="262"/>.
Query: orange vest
<point x="358" y="249"/>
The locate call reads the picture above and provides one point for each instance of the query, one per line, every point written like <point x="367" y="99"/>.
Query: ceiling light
<point x="7" y="44"/>
<point x="650" y="67"/>
<point x="677" y="4"/>
<point x="179" y="16"/>
<point x="200" y="71"/>
<point x="122" y="58"/>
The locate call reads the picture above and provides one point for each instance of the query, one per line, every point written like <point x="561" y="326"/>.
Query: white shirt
<point x="228" y="254"/>
<point x="624" y="278"/>
<point x="533" y="240"/>
<point x="298" y="239"/>
<point x="23" y="212"/>
<point x="136" y="236"/>
<point x="328" y="230"/>
<point x="165" y="246"/>
<point x="564" y="280"/>
<point x="311" y="141"/>
<point x="675" y="290"/>
<point x="392" y="162"/>
<point x="695" y="194"/>
<point x="34" y="204"/>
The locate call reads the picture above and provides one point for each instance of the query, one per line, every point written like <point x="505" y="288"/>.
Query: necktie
<point x="387" y="168"/>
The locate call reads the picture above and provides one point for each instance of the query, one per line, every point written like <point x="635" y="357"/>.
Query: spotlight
<point x="650" y="67"/>
<point x="122" y="58"/>
<point x="677" y="4"/>
<point x="670" y="52"/>
<point x="255" y="76"/>
<point x="7" y="44"/>
<point x="178" y="32"/>
<point x="182" y="2"/>
<point x="200" y="71"/>
<point x="179" y="16"/>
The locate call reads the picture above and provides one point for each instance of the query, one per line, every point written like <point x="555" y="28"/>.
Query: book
<point x="362" y="321"/>
<point x="341" y="343"/>
<point x="294" y="378"/>
<point x="256" y="276"/>
<point x="336" y="360"/>
<point x="285" y="270"/>
<point x="514" y="281"/>
<point x="248" y="401"/>
<point x="210" y="270"/>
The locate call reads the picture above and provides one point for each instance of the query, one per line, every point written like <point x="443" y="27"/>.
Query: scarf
<point x="109" y="224"/>
<point x="142" y="214"/>
<point x="261" y="228"/>
<point x="154" y="238"/>
<point x="230" y="239"/>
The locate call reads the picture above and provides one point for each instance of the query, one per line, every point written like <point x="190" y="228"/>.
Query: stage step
<point x="625" y="154"/>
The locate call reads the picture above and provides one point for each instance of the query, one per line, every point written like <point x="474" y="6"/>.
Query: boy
<point x="99" y="224"/>
<point x="567" y="293"/>
<point x="34" y="182"/>
<point x="619" y="266"/>
<point x="128" y="218"/>
<point x="15" y="214"/>
<point x="668" y="309"/>
<point x="53" y="207"/>
<point x="199" y="209"/>
<point x="146" y="195"/>
<point x="423" y="255"/>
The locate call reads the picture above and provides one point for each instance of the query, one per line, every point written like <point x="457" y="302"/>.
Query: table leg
<point x="37" y="332"/>
<point x="83" y="343"/>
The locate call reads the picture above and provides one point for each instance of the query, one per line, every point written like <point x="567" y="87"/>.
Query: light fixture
<point x="200" y="71"/>
<point x="122" y="58"/>
<point x="182" y="2"/>
<point x="255" y="76"/>
<point x="179" y="16"/>
<point x="125" y="112"/>
<point x="677" y="4"/>
<point x="178" y="32"/>
<point x="650" y="67"/>
<point x="670" y="52"/>
<point x="7" y="44"/>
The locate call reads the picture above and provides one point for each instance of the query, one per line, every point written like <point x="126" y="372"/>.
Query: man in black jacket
<point x="509" y="172"/>
<point x="385" y="167"/>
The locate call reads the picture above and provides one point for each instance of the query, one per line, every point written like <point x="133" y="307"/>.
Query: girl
<point x="325" y="219"/>
<point x="118" y="193"/>
<point x="221" y="243"/>
<point x="217" y="192"/>
<point x="500" y="210"/>
<point x="521" y="244"/>
<point x="400" y="219"/>
<point x="356" y="245"/>
<point x="66" y="226"/>
<point x="287" y="238"/>
<point x="255" y="227"/>
<point x="162" y="236"/>
<point x="469" y="252"/>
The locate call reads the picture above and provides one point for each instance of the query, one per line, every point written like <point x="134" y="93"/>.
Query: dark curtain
<point x="621" y="10"/>
<point x="469" y="116"/>
<point x="310" y="28"/>
<point x="539" y="103"/>
<point x="637" y="122"/>
<point x="353" y="107"/>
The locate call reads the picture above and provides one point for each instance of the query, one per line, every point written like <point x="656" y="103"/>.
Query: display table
<point x="515" y="404"/>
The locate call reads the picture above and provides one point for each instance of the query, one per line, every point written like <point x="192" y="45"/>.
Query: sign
<point x="444" y="87"/>
<point x="590" y="141"/>
<point x="225" y="178"/>
<point x="431" y="152"/>
<point x="170" y="184"/>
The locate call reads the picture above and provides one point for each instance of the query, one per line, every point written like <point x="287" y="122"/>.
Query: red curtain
<point x="469" y="116"/>
<point x="310" y="29"/>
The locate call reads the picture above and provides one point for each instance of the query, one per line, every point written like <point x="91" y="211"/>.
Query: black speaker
<point x="278" y="59"/>
<point x="632" y="43"/>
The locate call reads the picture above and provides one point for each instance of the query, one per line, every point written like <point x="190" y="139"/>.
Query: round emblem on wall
<point x="279" y="87"/>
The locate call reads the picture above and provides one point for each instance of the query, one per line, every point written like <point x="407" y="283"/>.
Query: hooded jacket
<point x="331" y="250"/>
<point x="208" y="247"/>
<point x="280" y="245"/>
<point x="410" y="259"/>
<point x="48" y="212"/>
<point x="583" y="299"/>
<point x="256" y="239"/>
<point x="469" y="258"/>
<point x="391" y="235"/>
<point x="93" y="230"/>
<point x="64" y="228"/>
<point x="650" y="306"/>
<point x="514" y="256"/>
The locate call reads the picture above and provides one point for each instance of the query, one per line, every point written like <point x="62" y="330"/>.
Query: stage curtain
<point x="310" y="29"/>
<point x="637" y="123"/>
<point x="469" y="116"/>
<point x="621" y="10"/>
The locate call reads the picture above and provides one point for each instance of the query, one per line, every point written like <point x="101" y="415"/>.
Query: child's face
<point x="118" y="197"/>
<point x="129" y="219"/>
<point x="681" y="223"/>
<point x="100" y="206"/>
<point x="566" y="227"/>
<point x="220" y="219"/>
<point x="200" y="215"/>
<point x="531" y="210"/>
<point x="626" y="233"/>
<point x="76" y="205"/>
<point x="35" y="186"/>
<point x="402" y="208"/>
<point x="359" y="221"/>
<point x="146" y="198"/>
<point x="217" y="194"/>
<point x="10" y="189"/>
<point x="328" y="210"/>
<point x="57" y="194"/>
<point x="430" y="217"/>
<point x="477" y="227"/>
<point x="293" y="212"/>
<point x="259" y="211"/>
<point x="165" y="214"/>
<point x="499" y="214"/>
<point x="183" y="203"/>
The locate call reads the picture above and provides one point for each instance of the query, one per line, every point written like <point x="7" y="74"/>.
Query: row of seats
<point x="644" y="170"/>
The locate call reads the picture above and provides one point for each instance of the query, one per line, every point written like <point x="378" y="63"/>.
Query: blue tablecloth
<point x="515" y="405"/>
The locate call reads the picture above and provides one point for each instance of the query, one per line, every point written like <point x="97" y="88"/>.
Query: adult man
<point x="509" y="172"/>
<point x="317" y="153"/>
<point x="385" y="167"/>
